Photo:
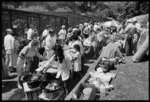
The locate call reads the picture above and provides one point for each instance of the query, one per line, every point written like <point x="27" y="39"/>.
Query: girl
<point x="61" y="62"/>
<point x="24" y="59"/>
<point x="77" y="60"/>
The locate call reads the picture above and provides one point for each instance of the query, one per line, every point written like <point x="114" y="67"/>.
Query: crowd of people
<point x="88" y="40"/>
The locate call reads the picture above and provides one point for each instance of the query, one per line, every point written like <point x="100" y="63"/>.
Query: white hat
<point x="9" y="30"/>
<point x="134" y="19"/>
<point x="129" y="21"/>
<point x="63" y="26"/>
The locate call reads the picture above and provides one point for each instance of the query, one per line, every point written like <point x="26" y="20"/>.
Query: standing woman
<point x="24" y="59"/>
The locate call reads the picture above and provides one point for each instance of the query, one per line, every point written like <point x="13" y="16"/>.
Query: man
<point x="130" y="30"/>
<point x="46" y="31"/>
<point x="30" y="32"/>
<point x="50" y="42"/>
<point x="9" y="48"/>
<point x="62" y="33"/>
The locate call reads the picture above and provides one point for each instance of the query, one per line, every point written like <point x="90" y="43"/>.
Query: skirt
<point x="21" y="68"/>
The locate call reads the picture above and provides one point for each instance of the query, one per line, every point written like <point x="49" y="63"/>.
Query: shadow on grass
<point x="9" y="85"/>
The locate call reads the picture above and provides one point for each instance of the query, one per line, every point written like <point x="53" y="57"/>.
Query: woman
<point x="62" y="64"/>
<point x="25" y="57"/>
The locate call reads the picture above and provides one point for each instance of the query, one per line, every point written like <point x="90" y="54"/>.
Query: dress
<point x="21" y="61"/>
<point x="77" y="62"/>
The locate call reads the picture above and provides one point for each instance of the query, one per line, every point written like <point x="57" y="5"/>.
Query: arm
<point x="40" y="56"/>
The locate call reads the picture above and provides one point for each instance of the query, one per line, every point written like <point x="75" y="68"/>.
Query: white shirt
<point x="62" y="34"/>
<point x="95" y="27"/>
<point x="9" y="42"/>
<point x="77" y="62"/>
<point x="45" y="32"/>
<point x="29" y="33"/>
<point x="50" y="42"/>
<point x="63" y="68"/>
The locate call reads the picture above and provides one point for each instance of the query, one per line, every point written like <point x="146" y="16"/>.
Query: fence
<point x="24" y="19"/>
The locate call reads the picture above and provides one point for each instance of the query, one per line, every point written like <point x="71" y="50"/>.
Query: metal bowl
<point x="51" y="86"/>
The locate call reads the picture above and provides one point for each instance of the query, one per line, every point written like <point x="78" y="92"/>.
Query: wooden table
<point x="31" y="94"/>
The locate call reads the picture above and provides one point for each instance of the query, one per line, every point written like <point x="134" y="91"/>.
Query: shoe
<point x="19" y="86"/>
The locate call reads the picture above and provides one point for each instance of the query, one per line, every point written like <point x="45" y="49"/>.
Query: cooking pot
<point x="50" y="86"/>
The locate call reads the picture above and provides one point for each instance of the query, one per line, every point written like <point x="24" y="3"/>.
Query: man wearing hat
<point x="9" y="48"/>
<point x="62" y="33"/>
<point x="50" y="43"/>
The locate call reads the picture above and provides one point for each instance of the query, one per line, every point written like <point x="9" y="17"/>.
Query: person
<point x="76" y="57"/>
<point x="46" y="31"/>
<point x="94" y="42"/>
<point x="136" y="35"/>
<point x="16" y="48"/>
<point x="5" y="73"/>
<point x="25" y="57"/>
<point x="50" y="42"/>
<point x="9" y="48"/>
<point x="70" y="33"/>
<point x="86" y="30"/>
<point x="112" y="52"/>
<point x="30" y="32"/>
<point x="130" y="30"/>
<point x="63" y="72"/>
<point x="62" y="33"/>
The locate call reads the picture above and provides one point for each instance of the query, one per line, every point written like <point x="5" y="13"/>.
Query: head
<point x="134" y="20"/>
<point x="9" y="31"/>
<point x="35" y="43"/>
<point x="59" y="54"/>
<point x="74" y="37"/>
<point x="51" y="32"/>
<point x="48" y="27"/>
<point x="63" y="27"/>
<point x="34" y="35"/>
<point x="112" y="38"/>
<point x="76" y="47"/>
<point x="32" y="26"/>
<point x="70" y="30"/>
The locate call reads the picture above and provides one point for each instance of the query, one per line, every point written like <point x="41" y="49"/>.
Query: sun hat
<point x="63" y="26"/>
<point x="9" y="30"/>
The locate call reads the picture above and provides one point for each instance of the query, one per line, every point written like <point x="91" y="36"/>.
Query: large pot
<point x="50" y="86"/>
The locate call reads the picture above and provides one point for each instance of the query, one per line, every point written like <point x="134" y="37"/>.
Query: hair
<point x="35" y="42"/>
<point x="77" y="47"/>
<point x="58" y="53"/>
<point x="34" y="34"/>
<point x="75" y="37"/>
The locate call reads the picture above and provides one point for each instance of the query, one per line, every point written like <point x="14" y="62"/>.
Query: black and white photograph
<point x="75" y="50"/>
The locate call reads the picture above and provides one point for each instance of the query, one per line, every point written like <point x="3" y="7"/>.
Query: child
<point x="77" y="60"/>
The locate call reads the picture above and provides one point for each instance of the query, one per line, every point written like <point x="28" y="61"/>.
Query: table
<point x="31" y="94"/>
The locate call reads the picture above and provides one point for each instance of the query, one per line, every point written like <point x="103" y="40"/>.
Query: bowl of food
<point x="34" y="81"/>
<point x="51" y="86"/>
